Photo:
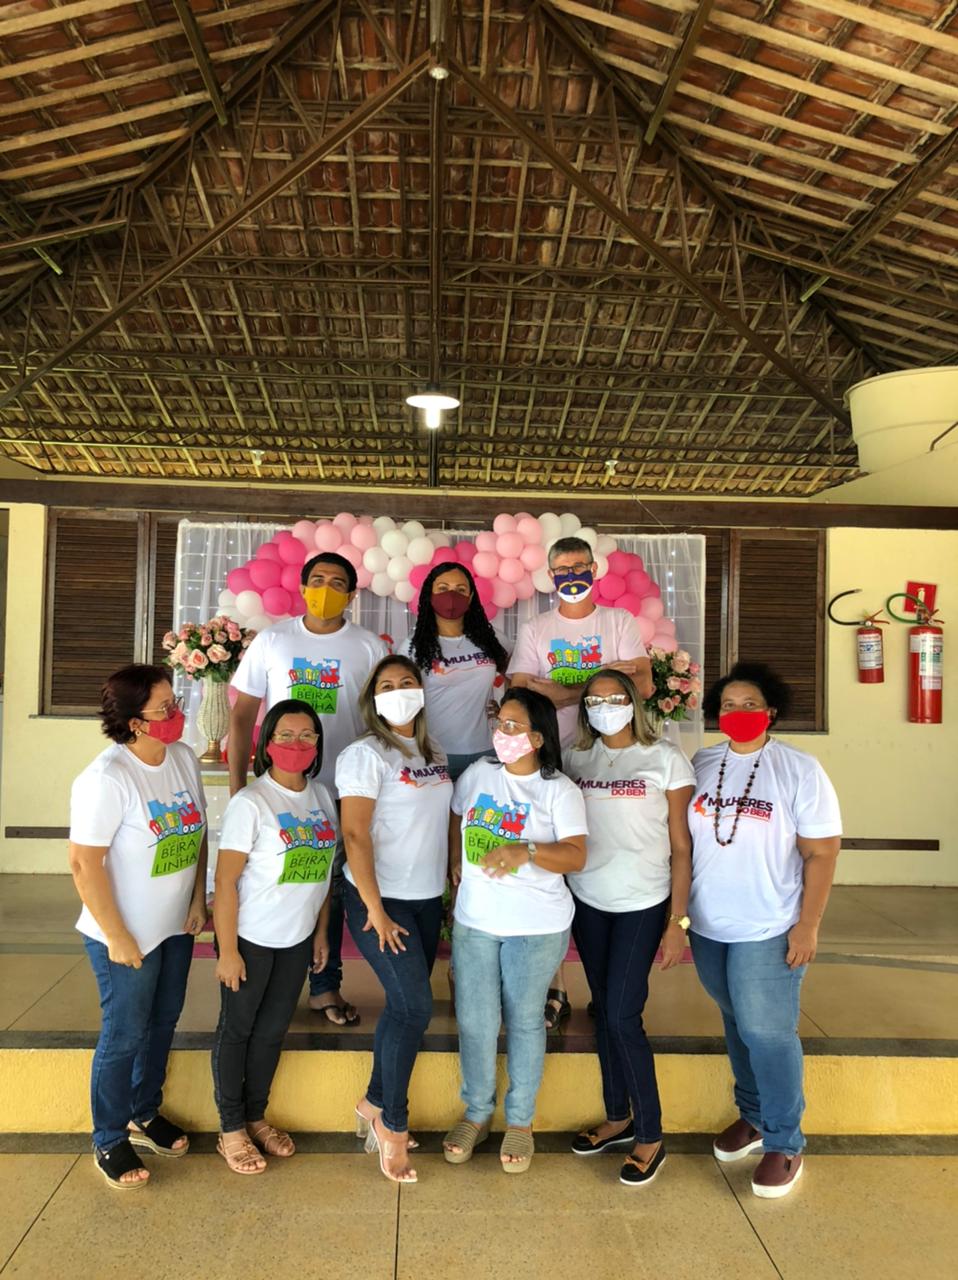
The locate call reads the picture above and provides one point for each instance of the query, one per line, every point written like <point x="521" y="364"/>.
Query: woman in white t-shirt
<point x="518" y="828"/>
<point x="462" y="659"/>
<point x="271" y="910"/>
<point x="395" y="791"/>
<point x="138" y="857"/>
<point x="632" y="894"/>
<point x="766" y="832"/>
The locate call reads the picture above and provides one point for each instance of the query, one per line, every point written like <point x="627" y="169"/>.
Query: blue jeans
<point x="457" y="764"/>
<point x="331" y="977"/>
<point x="140" y="1009"/>
<point x="405" y="980"/>
<point x="759" y="998"/>
<point x="617" y="949"/>
<point x="503" y="979"/>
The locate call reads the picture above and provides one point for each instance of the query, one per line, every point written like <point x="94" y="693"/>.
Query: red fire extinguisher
<point x="925" y="653"/>
<point x="868" y="642"/>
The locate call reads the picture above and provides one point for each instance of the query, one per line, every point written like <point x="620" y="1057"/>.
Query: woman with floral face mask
<point x="395" y="792"/>
<point x="518" y="828"/>
<point x="632" y="893"/>
<point x="271" y="911"/>
<point x="766" y="831"/>
<point x="138" y="857"/>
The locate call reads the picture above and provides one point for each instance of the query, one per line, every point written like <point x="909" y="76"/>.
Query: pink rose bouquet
<point x="208" y="651"/>
<point x="677" y="685"/>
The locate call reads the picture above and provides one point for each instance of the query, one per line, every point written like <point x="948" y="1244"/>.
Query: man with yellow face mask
<point x="321" y="658"/>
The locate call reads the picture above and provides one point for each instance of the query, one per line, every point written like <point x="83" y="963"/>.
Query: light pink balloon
<point x="630" y="602"/>
<point x="504" y="523"/>
<point x="268" y="551"/>
<point x="350" y="553"/>
<point x="363" y="578"/>
<point x="666" y="625"/>
<point x="646" y="628"/>
<point x="637" y="581"/>
<point x="239" y="580"/>
<point x="523" y="515"/>
<point x="612" y="586"/>
<point x="346" y="521"/>
<point x="652" y="607"/>
<point x="503" y="595"/>
<point x="465" y="552"/>
<point x="486" y="564"/>
<point x="525" y="588"/>
<point x="619" y="563"/>
<point x="533" y="556"/>
<point x="662" y="640"/>
<point x="509" y="546"/>
<point x="485" y="541"/>
<point x="265" y="573"/>
<point x="529" y="529"/>
<point x="305" y="531"/>
<point x="328" y="537"/>
<point x="364" y="536"/>
<point x="289" y="579"/>
<point x="276" y="601"/>
<point x="367" y="520"/>
<point x="292" y="551"/>
<point x="511" y="571"/>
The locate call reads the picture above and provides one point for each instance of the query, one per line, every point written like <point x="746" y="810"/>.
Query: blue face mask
<point x="573" y="587"/>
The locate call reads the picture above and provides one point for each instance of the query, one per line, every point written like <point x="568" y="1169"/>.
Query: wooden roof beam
<point x="201" y="54"/>
<point x="41" y="240"/>
<point x="680" y="62"/>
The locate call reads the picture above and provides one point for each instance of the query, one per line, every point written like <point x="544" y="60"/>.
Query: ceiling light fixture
<point x="433" y="402"/>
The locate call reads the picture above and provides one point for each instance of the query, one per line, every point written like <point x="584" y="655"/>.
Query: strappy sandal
<point x="348" y="1013"/>
<point x="388" y="1151"/>
<point x="466" y="1135"/>
<point x="517" y="1143"/>
<point x="241" y="1156"/>
<point x="158" y="1136"/>
<point x="556" y="1016"/>
<point x="272" y="1142"/>
<point x="363" y="1122"/>
<point x="113" y="1164"/>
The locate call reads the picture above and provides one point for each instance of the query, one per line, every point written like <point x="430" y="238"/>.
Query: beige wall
<point x="895" y="780"/>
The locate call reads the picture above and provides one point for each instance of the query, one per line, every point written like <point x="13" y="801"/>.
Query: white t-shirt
<point x="569" y="650"/>
<point x="151" y="819"/>
<point x="410" y="826"/>
<point x="457" y="692"/>
<point x="328" y="672"/>
<point x="498" y="807"/>
<point x="289" y="838"/>
<point x="629" y="863"/>
<point x="752" y="888"/>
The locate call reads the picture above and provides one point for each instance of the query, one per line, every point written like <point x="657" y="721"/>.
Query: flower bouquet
<point x="208" y="650"/>
<point x="677" y="686"/>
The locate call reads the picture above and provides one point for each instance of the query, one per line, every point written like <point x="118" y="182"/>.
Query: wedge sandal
<point x="517" y="1143"/>
<point x="113" y="1164"/>
<point x="466" y="1135"/>
<point x="158" y="1136"/>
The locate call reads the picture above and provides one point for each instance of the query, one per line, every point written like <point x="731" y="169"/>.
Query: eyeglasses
<point x="577" y="569"/>
<point x="286" y="739"/>
<point x="749" y="704"/>
<point x="167" y="709"/>
<point x="510" y="726"/>
<point x="612" y="700"/>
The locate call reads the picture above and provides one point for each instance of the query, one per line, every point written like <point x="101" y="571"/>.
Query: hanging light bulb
<point x="433" y="402"/>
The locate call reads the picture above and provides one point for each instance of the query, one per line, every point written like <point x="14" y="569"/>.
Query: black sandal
<point x="113" y="1164"/>
<point x="349" y="1013"/>
<point x="158" y="1136"/>
<point x="555" y="1017"/>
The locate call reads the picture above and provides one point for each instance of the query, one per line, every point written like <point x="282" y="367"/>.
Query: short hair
<point x="562" y="546"/>
<point x="125" y="694"/>
<point x="330" y="557"/>
<point x="543" y="720"/>
<point x="774" y="690"/>
<point x="377" y="727"/>
<point x="288" y="707"/>
<point x="644" y="733"/>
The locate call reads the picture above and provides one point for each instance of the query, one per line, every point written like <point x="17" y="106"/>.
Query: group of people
<point x="533" y="789"/>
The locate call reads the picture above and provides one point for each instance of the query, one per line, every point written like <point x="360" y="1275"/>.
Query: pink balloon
<point x="292" y="551"/>
<point x="345" y="521"/>
<point x="367" y="520"/>
<point x="619" y="563"/>
<point x="364" y="536"/>
<point x="503" y="594"/>
<point x="504" y="523"/>
<point x="265" y="573"/>
<point x="305" y="531"/>
<point x="289" y="579"/>
<point x="525" y="588"/>
<point x="485" y="541"/>
<point x="662" y="640"/>
<point x="509" y="546"/>
<point x="418" y="575"/>
<point x="297" y="607"/>
<point x="491" y="611"/>
<point x="628" y="601"/>
<point x="484" y="590"/>
<point x="653" y="589"/>
<point x="533" y="556"/>
<point x="666" y="625"/>
<point x="637" y="582"/>
<point x="350" y="553"/>
<point x="612" y="586"/>
<point x="414" y="603"/>
<point x="646" y="628"/>
<point x="268" y="551"/>
<point x="328" y="537"/>
<point x="486" y="564"/>
<point x="276" y="600"/>
<point x="238" y="580"/>
<point x="523" y="515"/>
<point x="511" y="571"/>
<point x="465" y="552"/>
<point x="652" y="607"/>
<point x="363" y="578"/>
<point x="529" y="528"/>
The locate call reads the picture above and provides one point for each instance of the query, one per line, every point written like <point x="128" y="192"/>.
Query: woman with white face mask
<point x="632" y="893"/>
<point x="395" y="791"/>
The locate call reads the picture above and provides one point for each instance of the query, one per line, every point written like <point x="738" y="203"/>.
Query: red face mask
<point x="744" y="726"/>
<point x="292" y="757"/>
<point x="168" y="730"/>
<point x="450" y="604"/>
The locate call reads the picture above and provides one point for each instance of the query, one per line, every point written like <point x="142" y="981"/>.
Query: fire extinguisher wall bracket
<point x="925" y="652"/>
<point x="868" y="640"/>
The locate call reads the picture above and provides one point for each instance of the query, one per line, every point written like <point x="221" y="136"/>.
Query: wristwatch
<point x="531" y="846"/>
<point x="682" y="921"/>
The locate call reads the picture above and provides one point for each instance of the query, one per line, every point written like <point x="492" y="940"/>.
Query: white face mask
<point x="400" y="706"/>
<point x="608" y="719"/>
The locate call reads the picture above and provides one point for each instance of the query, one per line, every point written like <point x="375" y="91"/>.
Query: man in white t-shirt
<point x="556" y="652"/>
<point x="323" y="659"/>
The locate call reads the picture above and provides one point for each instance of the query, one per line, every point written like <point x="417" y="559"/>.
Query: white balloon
<point x="382" y="524"/>
<point x="405" y="592"/>
<point x="382" y="585"/>
<point x="551" y="527"/>
<point x="225" y="598"/>
<point x="413" y="529"/>
<point x="421" y="550"/>
<point x="375" y="560"/>
<point x="399" y="569"/>
<point x="262" y="623"/>
<point x="569" y="523"/>
<point x="394" y="543"/>
<point x="588" y="535"/>
<point x="250" y="604"/>
<point x="604" y="545"/>
<point x="601" y="565"/>
<point x="542" y="581"/>
<point x="439" y="537"/>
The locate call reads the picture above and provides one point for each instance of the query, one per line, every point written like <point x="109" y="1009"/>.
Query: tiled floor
<point x="333" y="1216"/>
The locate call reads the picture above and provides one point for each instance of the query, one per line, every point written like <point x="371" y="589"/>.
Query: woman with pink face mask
<point x="270" y="910"/>
<point x="766" y="831"/>
<point x="518" y="828"/>
<point x="138" y="858"/>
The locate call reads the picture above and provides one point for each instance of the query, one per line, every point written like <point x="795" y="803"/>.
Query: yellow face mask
<point x="325" y="602"/>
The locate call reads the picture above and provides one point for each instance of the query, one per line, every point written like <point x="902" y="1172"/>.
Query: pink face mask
<point x="168" y="730"/>
<point x="510" y="747"/>
<point x="292" y="757"/>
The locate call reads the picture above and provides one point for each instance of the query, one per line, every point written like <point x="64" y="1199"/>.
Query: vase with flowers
<point x="210" y="652"/>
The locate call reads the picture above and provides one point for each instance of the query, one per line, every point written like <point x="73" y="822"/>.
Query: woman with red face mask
<point x="138" y="858"/>
<point x="766" y="831"/>
<point x="270" y="911"/>
<point x="462" y="658"/>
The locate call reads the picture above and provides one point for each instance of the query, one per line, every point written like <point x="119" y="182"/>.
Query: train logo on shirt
<point x="704" y="807"/>
<point x="572" y="662"/>
<point x="178" y="826"/>
<point x="430" y="775"/>
<point x="317" y="683"/>
<point x="310" y="844"/>
<point x="489" y="824"/>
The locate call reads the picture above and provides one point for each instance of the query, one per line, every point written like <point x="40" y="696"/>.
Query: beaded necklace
<point x="739" y="804"/>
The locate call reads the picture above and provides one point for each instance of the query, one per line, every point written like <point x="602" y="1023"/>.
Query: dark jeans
<point x="617" y="949"/>
<point x="140" y="1009"/>
<point x="252" y="1026"/>
<point x="331" y="978"/>
<point x="405" y="980"/>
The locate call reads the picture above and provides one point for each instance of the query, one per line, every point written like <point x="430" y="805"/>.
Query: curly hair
<point x="424" y="641"/>
<point x="769" y="683"/>
<point x="124" y="695"/>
